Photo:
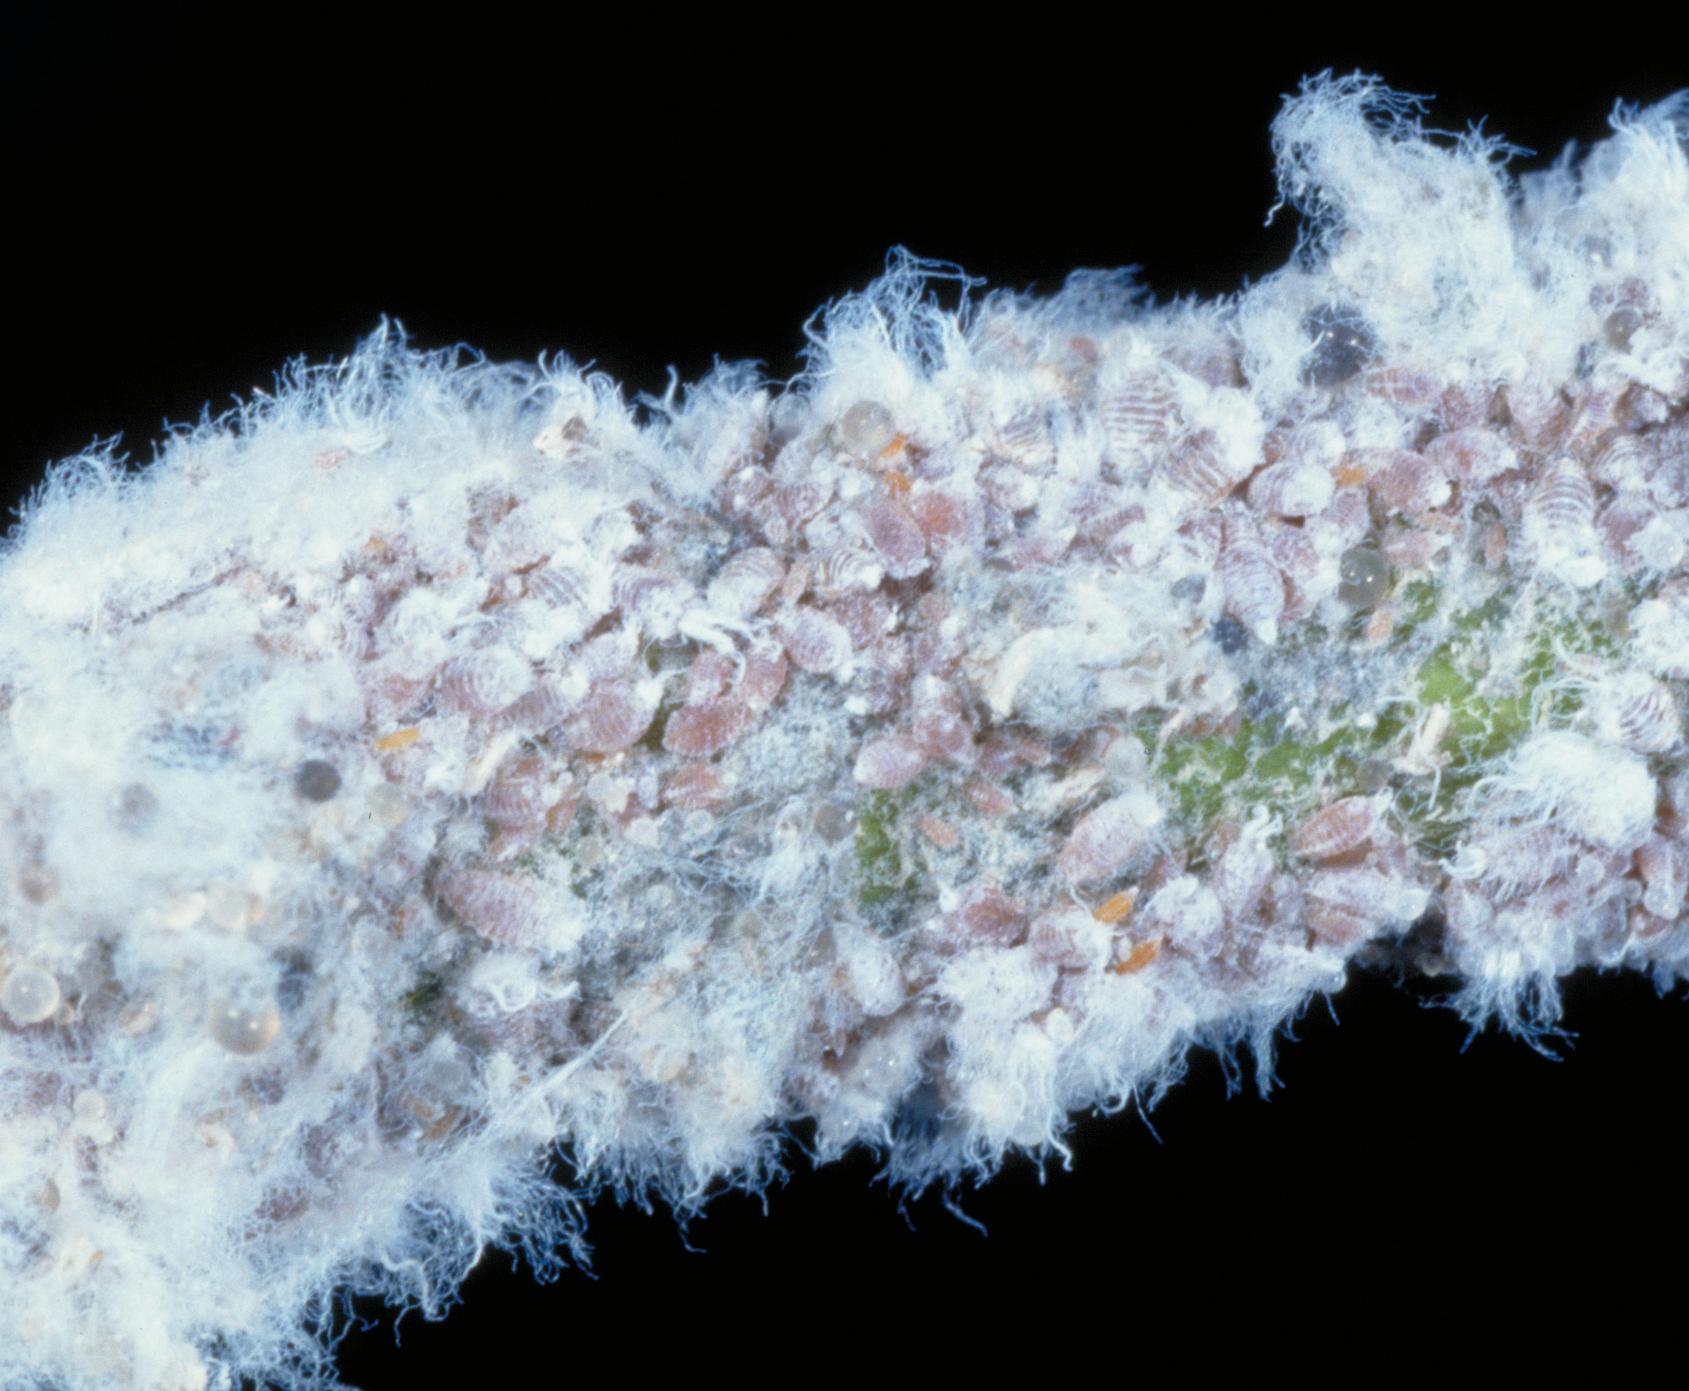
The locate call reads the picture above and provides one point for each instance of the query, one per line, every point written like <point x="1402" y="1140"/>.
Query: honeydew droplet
<point x="29" y="994"/>
<point x="1363" y="576"/>
<point x="387" y="805"/>
<point x="243" y="1026"/>
<point x="865" y="429"/>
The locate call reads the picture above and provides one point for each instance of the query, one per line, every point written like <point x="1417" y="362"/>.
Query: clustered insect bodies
<point x="930" y="749"/>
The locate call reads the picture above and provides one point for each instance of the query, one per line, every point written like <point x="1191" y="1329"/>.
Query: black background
<point x="194" y="200"/>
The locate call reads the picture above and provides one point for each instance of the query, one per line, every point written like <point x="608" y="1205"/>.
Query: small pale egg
<point x="1363" y="577"/>
<point x="29" y="994"/>
<point x="244" y="1025"/>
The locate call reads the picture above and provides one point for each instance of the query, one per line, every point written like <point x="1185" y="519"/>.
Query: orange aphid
<point x="1349" y="475"/>
<point x="398" y="739"/>
<point x="895" y="446"/>
<point x="1117" y="908"/>
<point x="897" y="483"/>
<point x="1139" y="957"/>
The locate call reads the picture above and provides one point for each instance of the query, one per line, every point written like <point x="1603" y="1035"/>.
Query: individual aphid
<point x="521" y="793"/>
<point x="943" y="734"/>
<point x="1026" y="439"/>
<point x="939" y="832"/>
<point x="816" y="642"/>
<point x="1109" y="838"/>
<point x="1537" y="414"/>
<point x="486" y="680"/>
<point x="316" y="780"/>
<point x="1253" y="587"/>
<point x="613" y="717"/>
<point x="899" y="542"/>
<point x="988" y="798"/>
<point x="744" y="581"/>
<point x="1624" y="463"/>
<point x="1403" y="481"/>
<point x="946" y="516"/>
<point x="576" y="595"/>
<point x="1363" y="577"/>
<point x="705" y="729"/>
<point x="1471" y="454"/>
<point x="864" y="430"/>
<point x="1339" y="345"/>
<point x="1138" y="413"/>
<point x="1510" y="860"/>
<point x="1558" y="527"/>
<point x="1637" y="710"/>
<point x="245" y="1023"/>
<point x="988" y="915"/>
<point x="1663" y="865"/>
<point x="1308" y="573"/>
<point x="29" y="994"/>
<point x="1337" y="829"/>
<point x="847" y="567"/>
<point x="504" y="908"/>
<point x="889" y="762"/>
<point x="1347" y="905"/>
<point x="1659" y="629"/>
<point x="1292" y="487"/>
<point x="763" y="676"/>
<point x="542" y="708"/>
<point x="1184" y="912"/>
<point x="694" y="786"/>
<point x="1200" y="471"/>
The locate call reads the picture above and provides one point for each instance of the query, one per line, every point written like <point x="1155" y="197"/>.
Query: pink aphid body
<point x="1139" y="414"/>
<point x="899" y="542"/>
<point x="705" y="729"/>
<point x="1109" y="838"/>
<point x="504" y="908"/>
<point x="613" y="717"/>
<point x="815" y="641"/>
<point x="889" y="762"/>
<point x="1026" y="440"/>
<point x="1199" y="472"/>
<point x="521" y="793"/>
<point x="485" y="681"/>
<point x="745" y="581"/>
<point x="1518" y="859"/>
<point x="1253" y="587"/>
<point x="1663" y="865"/>
<point x="569" y="590"/>
<point x="1638" y="711"/>
<point x="1406" y="482"/>
<point x="1559" y="525"/>
<point x="1338" y="829"/>
<point x="1291" y="488"/>
<point x="845" y="567"/>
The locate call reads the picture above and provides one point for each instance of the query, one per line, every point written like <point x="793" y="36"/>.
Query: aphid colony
<point x="929" y="750"/>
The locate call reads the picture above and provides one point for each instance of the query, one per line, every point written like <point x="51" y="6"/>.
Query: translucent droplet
<point x="1363" y="577"/>
<point x="1620" y="327"/>
<point x="245" y="1026"/>
<point x="29" y="994"/>
<point x="316" y="780"/>
<point x="1341" y="342"/>
<point x="865" y="429"/>
<point x="387" y="805"/>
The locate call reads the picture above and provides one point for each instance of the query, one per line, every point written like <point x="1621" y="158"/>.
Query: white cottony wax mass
<point x="434" y="762"/>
